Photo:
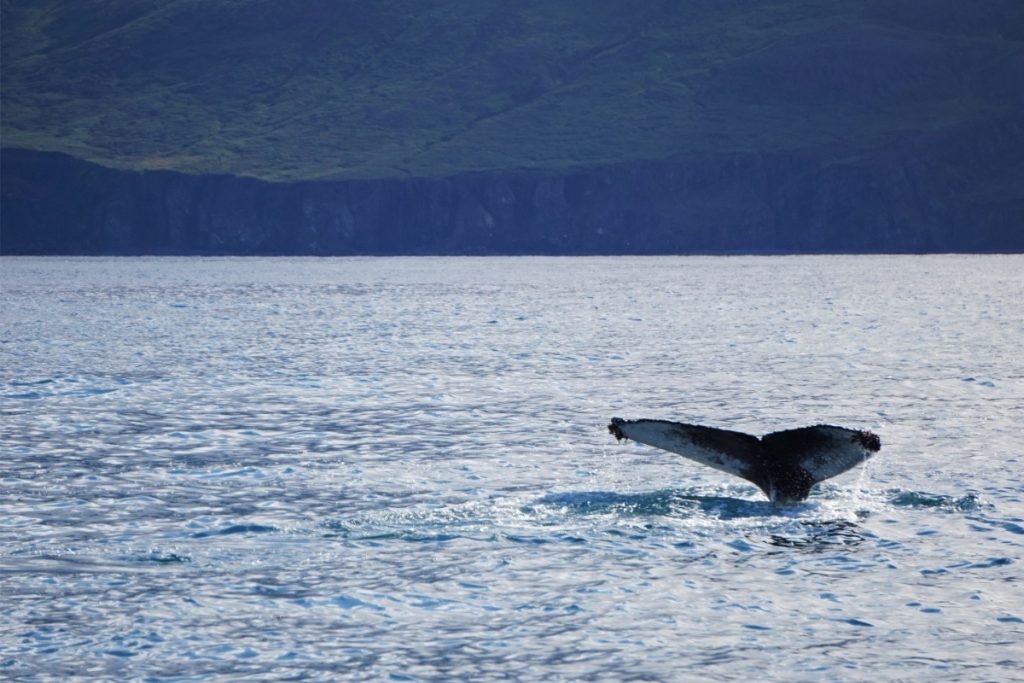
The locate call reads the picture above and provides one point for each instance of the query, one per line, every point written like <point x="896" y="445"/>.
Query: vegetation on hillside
<point x="347" y="89"/>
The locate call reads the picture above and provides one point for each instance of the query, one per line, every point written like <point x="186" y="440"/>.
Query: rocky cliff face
<point x="959" y="190"/>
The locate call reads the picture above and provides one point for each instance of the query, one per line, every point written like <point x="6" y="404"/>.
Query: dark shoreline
<point x="926" y="196"/>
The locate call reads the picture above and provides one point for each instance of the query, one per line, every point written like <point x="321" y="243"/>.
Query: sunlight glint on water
<point x="399" y="469"/>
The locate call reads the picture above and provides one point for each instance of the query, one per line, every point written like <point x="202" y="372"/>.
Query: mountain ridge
<point x="480" y="126"/>
<point x="346" y="90"/>
<point x="911" y="199"/>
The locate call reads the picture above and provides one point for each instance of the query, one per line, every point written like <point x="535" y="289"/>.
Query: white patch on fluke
<point x="677" y="438"/>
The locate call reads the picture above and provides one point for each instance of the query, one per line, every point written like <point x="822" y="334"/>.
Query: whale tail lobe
<point x="785" y="465"/>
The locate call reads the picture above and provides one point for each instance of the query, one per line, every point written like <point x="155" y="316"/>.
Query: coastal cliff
<point x="952" y="191"/>
<point x="488" y="127"/>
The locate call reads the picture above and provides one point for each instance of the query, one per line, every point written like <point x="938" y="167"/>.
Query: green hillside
<point x="343" y="89"/>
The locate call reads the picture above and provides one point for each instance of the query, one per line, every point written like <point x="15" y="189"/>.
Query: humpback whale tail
<point x="785" y="465"/>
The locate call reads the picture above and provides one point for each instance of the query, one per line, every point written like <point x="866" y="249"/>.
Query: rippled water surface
<point x="398" y="469"/>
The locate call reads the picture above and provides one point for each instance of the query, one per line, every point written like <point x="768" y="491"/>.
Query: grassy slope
<point x="390" y="88"/>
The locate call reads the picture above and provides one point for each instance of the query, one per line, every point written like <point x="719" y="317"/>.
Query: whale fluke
<point x="785" y="465"/>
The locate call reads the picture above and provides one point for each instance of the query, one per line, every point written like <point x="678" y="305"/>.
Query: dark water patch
<point x="348" y="602"/>
<point x="742" y="545"/>
<point x="918" y="499"/>
<point x="335" y="529"/>
<point x="667" y="503"/>
<point x="30" y="382"/>
<point x="979" y="382"/>
<point x="30" y="395"/>
<point x="934" y="572"/>
<point x="90" y="391"/>
<point x="294" y="593"/>
<point x="820" y="536"/>
<point x="418" y="537"/>
<point x="1012" y="525"/>
<point x="408" y="535"/>
<point x="990" y="562"/>
<point x="163" y="558"/>
<point x="524" y="539"/>
<point x="987" y="563"/>
<point x="1013" y="528"/>
<point x="58" y="564"/>
<point x="236" y="529"/>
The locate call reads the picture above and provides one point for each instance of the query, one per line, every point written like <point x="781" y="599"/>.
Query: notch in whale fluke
<point x="785" y="465"/>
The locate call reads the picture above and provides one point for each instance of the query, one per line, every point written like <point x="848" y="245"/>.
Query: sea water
<point x="399" y="469"/>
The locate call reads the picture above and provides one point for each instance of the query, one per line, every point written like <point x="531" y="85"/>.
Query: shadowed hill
<point x="344" y="89"/>
<point x="487" y="126"/>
